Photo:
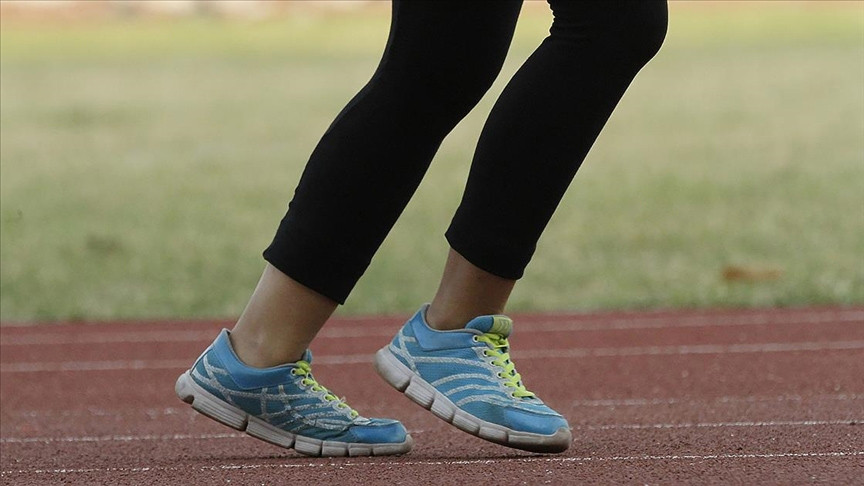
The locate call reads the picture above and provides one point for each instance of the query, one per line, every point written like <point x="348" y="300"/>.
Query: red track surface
<point x="758" y="396"/>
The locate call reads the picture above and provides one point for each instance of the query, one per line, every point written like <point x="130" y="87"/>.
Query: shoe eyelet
<point x="475" y="339"/>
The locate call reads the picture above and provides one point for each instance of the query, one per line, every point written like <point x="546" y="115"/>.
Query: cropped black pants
<point x="440" y="58"/>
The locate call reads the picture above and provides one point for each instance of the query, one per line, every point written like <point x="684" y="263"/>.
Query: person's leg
<point x="440" y="59"/>
<point x="534" y="141"/>
<point x="453" y="357"/>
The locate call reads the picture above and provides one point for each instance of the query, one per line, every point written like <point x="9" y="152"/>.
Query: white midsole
<point x="217" y="409"/>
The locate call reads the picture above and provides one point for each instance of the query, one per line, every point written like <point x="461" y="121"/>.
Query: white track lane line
<point x="692" y="349"/>
<point x="573" y="353"/>
<point x="119" y="365"/>
<point x="108" y="337"/>
<point x="171" y="437"/>
<point x="467" y="462"/>
<point x="717" y="425"/>
<point x="841" y="317"/>
<point x="650" y="402"/>
<point x="153" y="412"/>
<point x="166" y="336"/>
<point x="117" y="438"/>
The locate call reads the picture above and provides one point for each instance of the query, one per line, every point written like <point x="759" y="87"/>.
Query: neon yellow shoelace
<point x="499" y="350"/>
<point x="304" y="369"/>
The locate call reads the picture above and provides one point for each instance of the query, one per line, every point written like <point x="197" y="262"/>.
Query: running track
<point x="755" y="397"/>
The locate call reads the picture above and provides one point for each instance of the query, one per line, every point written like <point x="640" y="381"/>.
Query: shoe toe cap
<point x="535" y="423"/>
<point x="379" y="431"/>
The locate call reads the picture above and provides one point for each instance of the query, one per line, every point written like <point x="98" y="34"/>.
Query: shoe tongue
<point x="501" y="325"/>
<point x="307" y="356"/>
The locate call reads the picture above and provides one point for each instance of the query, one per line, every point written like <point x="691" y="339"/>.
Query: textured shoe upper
<point x="472" y="368"/>
<point x="288" y="397"/>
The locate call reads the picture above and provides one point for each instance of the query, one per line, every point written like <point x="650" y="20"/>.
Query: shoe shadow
<point x="292" y="456"/>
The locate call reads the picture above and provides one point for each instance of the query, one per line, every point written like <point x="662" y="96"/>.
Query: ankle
<point x="260" y="352"/>
<point x="465" y="292"/>
<point x="447" y="318"/>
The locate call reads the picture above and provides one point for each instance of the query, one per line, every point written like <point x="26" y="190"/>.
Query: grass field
<point x="145" y="165"/>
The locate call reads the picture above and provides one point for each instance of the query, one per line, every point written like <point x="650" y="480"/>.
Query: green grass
<point x="144" y="165"/>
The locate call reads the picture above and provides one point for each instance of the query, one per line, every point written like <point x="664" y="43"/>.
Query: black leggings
<point x="440" y="59"/>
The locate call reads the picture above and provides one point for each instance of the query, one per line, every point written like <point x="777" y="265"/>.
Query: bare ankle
<point x="465" y="292"/>
<point x="280" y="321"/>
<point x="260" y="353"/>
<point x="441" y="320"/>
<point x="443" y="317"/>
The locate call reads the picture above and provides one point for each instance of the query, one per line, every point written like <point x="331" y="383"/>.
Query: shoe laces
<point x="499" y="348"/>
<point x="304" y="369"/>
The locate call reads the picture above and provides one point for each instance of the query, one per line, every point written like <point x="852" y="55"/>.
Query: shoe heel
<point x="391" y="369"/>
<point x="207" y="404"/>
<point x="182" y="389"/>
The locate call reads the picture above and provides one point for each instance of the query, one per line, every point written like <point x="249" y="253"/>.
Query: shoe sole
<point x="421" y="392"/>
<point x="211" y="406"/>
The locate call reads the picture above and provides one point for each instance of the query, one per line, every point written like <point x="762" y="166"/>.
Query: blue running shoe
<point x="466" y="377"/>
<point x="284" y="405"/>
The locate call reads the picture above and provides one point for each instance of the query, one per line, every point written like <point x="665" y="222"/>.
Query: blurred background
<point x="149" y="149"/>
